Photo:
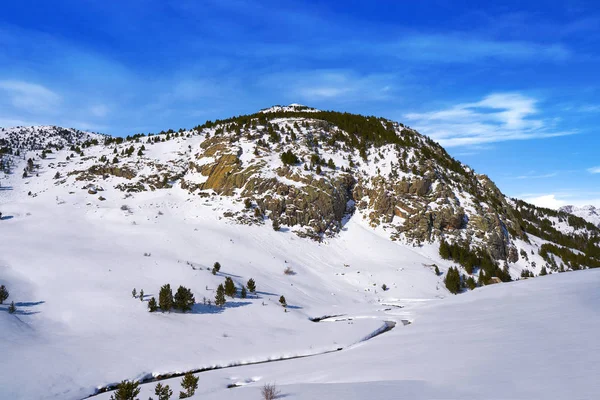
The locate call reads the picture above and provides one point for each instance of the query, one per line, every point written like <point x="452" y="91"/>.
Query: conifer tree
<point x="12" y="308"/>
<point x="184" y="299"/>
<point x="152" y="306"/>
<point x="243" y="294"/>
<point x="189" y="383"/>
<point x="127" y="390"/>
<point x="220" y="296"/>
<point x="141" y="294"/>
<point x="134" y="293"/>
<point x="543" y="271"/>
<point x="282" y="301"/>
<point x="452" y="280"/>
<point x="216" y="268"/>
<point x="165" y="298"/>
<point x="481" y="279"/>
<point x="444" y="250"/>
<point x="437" y="271"/>
<point x="251" y="285"/>
<point x="3" y="294"/>
<point x="230" y="289"/>
<point x="163" y="392"/>
<point x="471" y="283"/>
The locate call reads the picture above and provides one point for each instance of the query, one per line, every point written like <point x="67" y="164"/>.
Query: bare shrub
<point x="289" y="271"/>
<point x="269" y="391"/>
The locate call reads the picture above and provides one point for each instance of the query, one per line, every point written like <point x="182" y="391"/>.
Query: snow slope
<point x="71" y="260"/>
<point x="589" y="213"/>
<point x="533" y="339"/>
<point x="70" y="256"/>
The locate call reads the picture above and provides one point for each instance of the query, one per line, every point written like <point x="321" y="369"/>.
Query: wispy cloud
<point x="538" y="176"/>
<point x="341" y="86"/>
<point x="29" y="96"/>
<point x="497" y="117"/>
<point x="594" y="170"/>
<point x="460" y="48"/>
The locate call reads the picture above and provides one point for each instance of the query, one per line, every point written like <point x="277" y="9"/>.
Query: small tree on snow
<point x="190" y="384"/>
<point x="163" y="392"/>
<point x="165" y="298"/>
<point x="230" y="289"/>
<point x="3" y="294"/>
<point x="243" y="294"/>
<point x="12" y="309"/>
<point x="184" y="299"/>
<point x="220" y="296"/>
<point x="152" y="306"/>
<point x="216" y="268"/>
<point x="127" y="390"/>
<point x="134" y="293"/>
<point x="282" y="301"/>
<point x="141" y="294"/>
<point x="251" y="285"/>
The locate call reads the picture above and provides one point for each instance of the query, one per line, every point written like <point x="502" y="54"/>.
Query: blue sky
<point x="510" y="89"/>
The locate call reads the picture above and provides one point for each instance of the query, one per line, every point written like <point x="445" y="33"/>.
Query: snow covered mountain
<point x="31" y="138"/>
<point x="357" y="218"/>
<point x="589" y="213"/>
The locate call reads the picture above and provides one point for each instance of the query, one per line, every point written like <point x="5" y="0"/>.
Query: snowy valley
<point x="364" y="226"/>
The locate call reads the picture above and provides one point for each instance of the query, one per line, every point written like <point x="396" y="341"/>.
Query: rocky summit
<point x="309" y="171"/>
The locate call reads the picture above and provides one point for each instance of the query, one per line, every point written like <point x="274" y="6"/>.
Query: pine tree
<point x="165" y="298"/>
<point x="251" y="285"/>
<point x="318" y="170"/>
<point x="216" y="268"/>
<point x="163" y="392"/>
<point x="282" y="301"/>
<point x="141" y="294"/>
<point x="3" y="294"/>
<point x="543" y="271"/>
<point x="220" y="296"/>
<point x="190" y="384"/>
<point x="127" y="390"/>
<point x="134" y="293"/>
<point x="184" y="299"/>
<point x="152" y="306"/>
<point x="12" y="309"/>
<point x="471" y="283"/>
<point x="230" y="289"/>
<point x="243" y="294"/>
<point x="444" y="250"/>
<point x="437" y="271"/>
<point x="452" y="280"/>
<point x="481" y="279"/>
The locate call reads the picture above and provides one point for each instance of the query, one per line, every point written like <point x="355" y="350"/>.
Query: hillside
<point x="589" y="213"/>
<point x="368" y="217"/>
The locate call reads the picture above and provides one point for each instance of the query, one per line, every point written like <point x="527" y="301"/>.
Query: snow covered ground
<point x="70" y="261"/>
<point x="533" y="339"/>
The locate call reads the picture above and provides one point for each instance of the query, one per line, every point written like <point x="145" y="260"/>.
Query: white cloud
<point x="456" y="48"/>
<point x="30" y="96"/>
<point x="547" y="201"/>
<point x="539" y="176"/>
<point x="332" y="85"/>
<point x="560" y="199"/>
<point x="497" y="117"/>
<point x="594" y="170"/>
<point x="99" y="110"/>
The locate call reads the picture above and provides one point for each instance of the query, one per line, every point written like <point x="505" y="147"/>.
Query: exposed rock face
<point x="409" y="186"/>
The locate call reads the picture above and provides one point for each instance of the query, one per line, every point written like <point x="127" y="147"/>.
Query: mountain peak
<point x="294" y="107"/>
<point x="589" y="213"/>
